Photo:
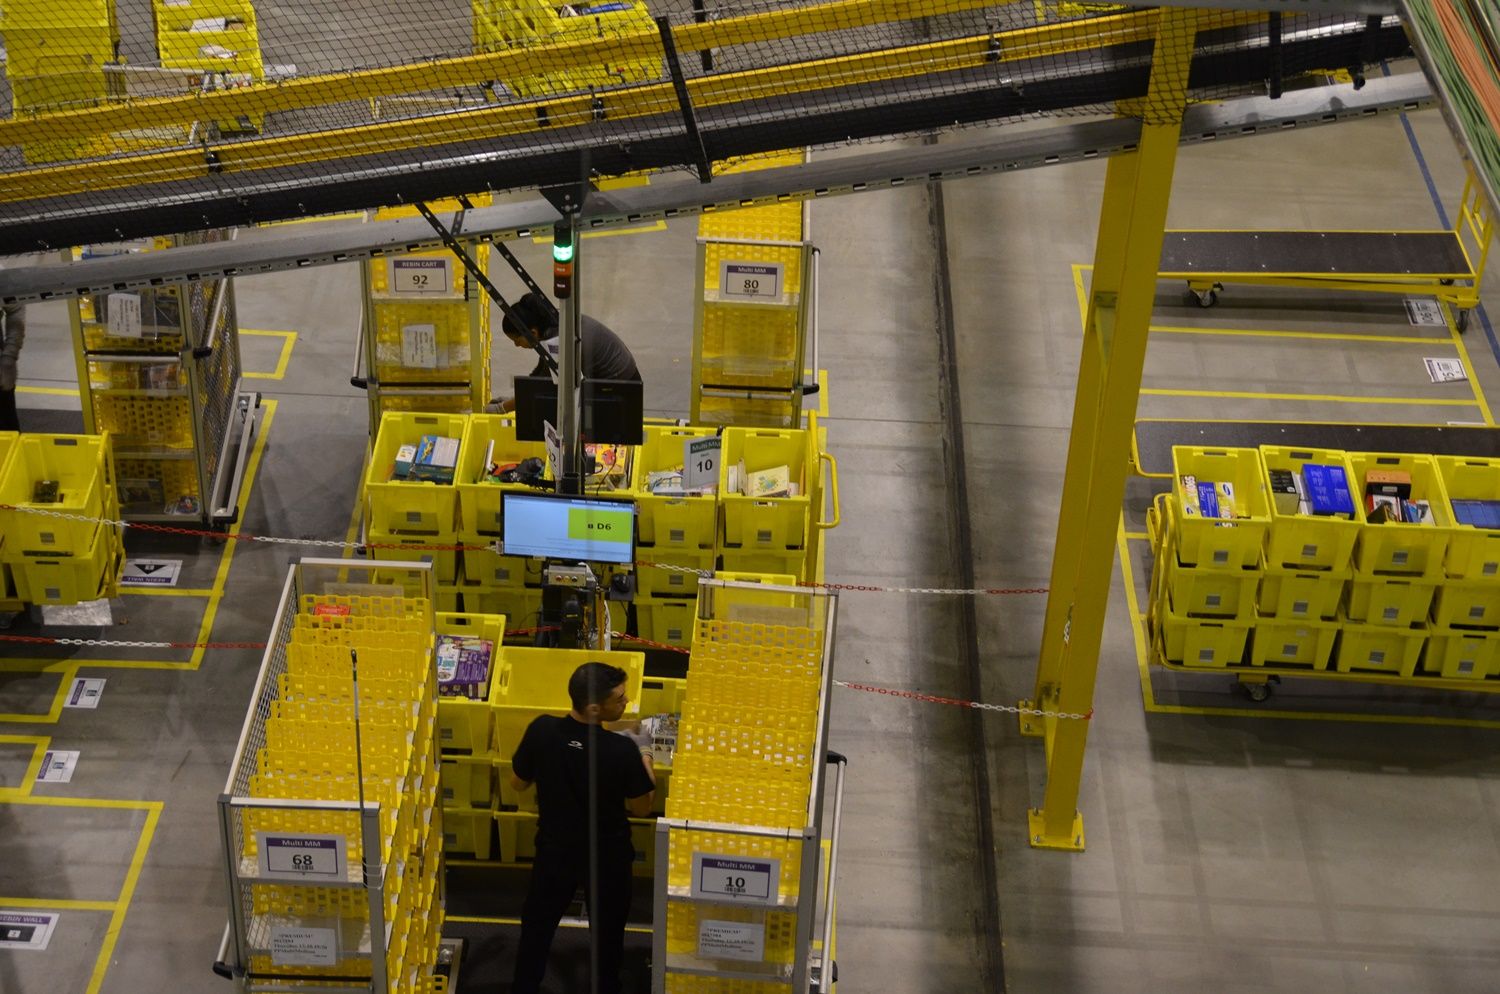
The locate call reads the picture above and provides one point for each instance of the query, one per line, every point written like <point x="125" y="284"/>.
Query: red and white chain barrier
<point x="333" y="543"/>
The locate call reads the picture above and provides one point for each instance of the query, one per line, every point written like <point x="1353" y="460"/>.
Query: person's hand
<point x="639" y="734"/>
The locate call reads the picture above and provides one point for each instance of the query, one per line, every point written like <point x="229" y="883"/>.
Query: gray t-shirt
<point x="605" y="356"/>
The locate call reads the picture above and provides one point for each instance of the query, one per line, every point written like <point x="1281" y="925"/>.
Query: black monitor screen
<point x="536" y="404"/>
<point x="612" y="411"/>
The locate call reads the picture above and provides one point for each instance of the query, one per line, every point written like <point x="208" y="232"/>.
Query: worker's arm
<point x="518" y="784"/>
<point x="640" y="807"/>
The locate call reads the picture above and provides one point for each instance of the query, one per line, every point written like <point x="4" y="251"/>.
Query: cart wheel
<point x="1461" y="322"/>
<point x="1447" y="282"/>
<point x="1206" y="298"/>
<point x="1258" y="692"/>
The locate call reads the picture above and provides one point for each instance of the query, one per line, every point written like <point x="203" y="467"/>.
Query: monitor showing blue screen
<point x="579" y="528"/>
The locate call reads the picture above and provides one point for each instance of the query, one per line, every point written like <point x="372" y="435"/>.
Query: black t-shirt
<point x="605" y="356"/>
<point x="554" y="754"/>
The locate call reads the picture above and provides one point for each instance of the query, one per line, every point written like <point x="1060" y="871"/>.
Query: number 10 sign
<point x="736" y="878"/>
<point x="301" y="857"/>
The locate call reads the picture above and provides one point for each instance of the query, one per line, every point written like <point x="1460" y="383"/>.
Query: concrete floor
<point x="1229" y="849"/>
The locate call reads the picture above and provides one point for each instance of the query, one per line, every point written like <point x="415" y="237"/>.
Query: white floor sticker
<point x="151" y="572"/>
<point x="57" y="766"/>
<point x="26" y="929"/>
<point x="85" y="692"/>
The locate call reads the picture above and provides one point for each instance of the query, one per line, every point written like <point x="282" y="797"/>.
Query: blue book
<point x="1327" y="489"/>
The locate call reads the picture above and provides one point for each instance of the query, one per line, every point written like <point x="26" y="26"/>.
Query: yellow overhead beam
<point x="637" y="101"/>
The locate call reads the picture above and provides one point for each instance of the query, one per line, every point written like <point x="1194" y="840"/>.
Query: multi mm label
<point x="300" y="857"/>
<point x="751" y="280"/>
<point x="736" y="879"/>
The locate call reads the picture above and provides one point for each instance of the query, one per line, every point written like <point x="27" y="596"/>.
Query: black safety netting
<point x="229" y="111"/>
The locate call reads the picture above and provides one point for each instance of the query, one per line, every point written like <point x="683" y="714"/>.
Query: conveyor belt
<point x="1421" y="254"/>
<point x="1154" y="438"/>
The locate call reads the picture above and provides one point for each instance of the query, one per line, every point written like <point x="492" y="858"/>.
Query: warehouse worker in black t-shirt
<point x="555" y="754"/>
<point x="605" y="356"/>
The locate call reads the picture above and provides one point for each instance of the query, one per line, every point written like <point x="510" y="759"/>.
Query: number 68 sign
<point x="740" y="879"/>
<point x="300" y="857"/>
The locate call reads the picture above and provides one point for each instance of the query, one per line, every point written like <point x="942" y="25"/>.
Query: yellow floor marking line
<point x="50" y="391"/>
<point x="1080" y="291"/>
<point x="38" y="745"/>
<point x="127" y="891"/>
<point x="1137" y="619"/>
<point x="288" y="340"/>
<point x="1463" y="357"/>
<point x="166" y="592"/>
<point x="1136" y="536"/>
<point x="66" y="672"/>
<point x="1332" y="336"/>
<point x="1310" y="397"/>
<point x="58" y="904"/>
<point x="639" y="229"/>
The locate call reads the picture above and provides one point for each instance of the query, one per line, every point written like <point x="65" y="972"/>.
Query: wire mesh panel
<point x="332" y="834"/>
<point x="390" y="102"/>
<point x="738" y="853"/>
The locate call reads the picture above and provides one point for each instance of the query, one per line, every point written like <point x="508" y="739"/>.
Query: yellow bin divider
<point x="407" y="548"/>
<point x="467" y="781"/>
<point x="1202" y="642"/>
<point x="479" y="502"/>
<point x="1472" y="552"/>
<point x="491" y="569"/>
<point x="534" y="682"/>
<point x="1462" y="655"/>
<point x="1386" y="600"/>
<point x="1399" y="547"/>
<point x="411" y="505"/>
<point x="1217" y="541"/>
<point x="671" y="523"/>
<point x="82" y="466"/>
<point x="1204" y="591"/>
<point x="1469" y="603"/>
<point x="1292" y="642"/>
<point x="464" y="723"/>
<point x="1309" y="541"/>
<point x="1379" y="648"/>
<point x="1302" y="594"/>
<point x="469" y="831"/>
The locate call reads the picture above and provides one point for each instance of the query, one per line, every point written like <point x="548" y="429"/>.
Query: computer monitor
<point x="536" y="404"/>
<point x="553" y="526"/>
<point x="612" y="411"/>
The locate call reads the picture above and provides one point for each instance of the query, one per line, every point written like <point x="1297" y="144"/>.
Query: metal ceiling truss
<point x="275" y="249"/>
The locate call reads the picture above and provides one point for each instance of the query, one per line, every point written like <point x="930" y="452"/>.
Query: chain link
<point x="333" y="543"/>
<point x="959" y="702"/>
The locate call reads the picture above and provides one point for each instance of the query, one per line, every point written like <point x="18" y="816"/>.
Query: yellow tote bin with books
<point x="1303" y="541"/>
<point x="1473" y="553"/>
<point x="402" y="505"/>
<point x="464" y="723"/>
<point x="666" y="523"/>
<point x="1462" y="655"/>
<point x="768" y="523"/>
<point x="1397" y="546"/>
<point x="1212" y="540"/>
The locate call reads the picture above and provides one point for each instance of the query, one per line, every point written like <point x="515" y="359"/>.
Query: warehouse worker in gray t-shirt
<point x="605" y="356"/>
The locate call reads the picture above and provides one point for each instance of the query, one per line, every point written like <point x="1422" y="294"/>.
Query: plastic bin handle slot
<point x="833" y="484"/>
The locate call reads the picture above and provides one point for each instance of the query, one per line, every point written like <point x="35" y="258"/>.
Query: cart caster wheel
<point x="1461" y="322"/>
<point x="1447" y="282"/>
<point x="1258" y="692"/>
<point x="1206" y="298"/>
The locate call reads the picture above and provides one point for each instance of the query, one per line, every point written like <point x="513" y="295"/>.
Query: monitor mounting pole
<point x="566" y="288"/>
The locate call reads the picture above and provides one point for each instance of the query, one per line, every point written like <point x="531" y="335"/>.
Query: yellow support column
<point x="1126" y="257"/>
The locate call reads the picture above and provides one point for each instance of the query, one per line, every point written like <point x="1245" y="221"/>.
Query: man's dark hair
<point x="531" y="311"/>
<point x="592" y="683"/>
